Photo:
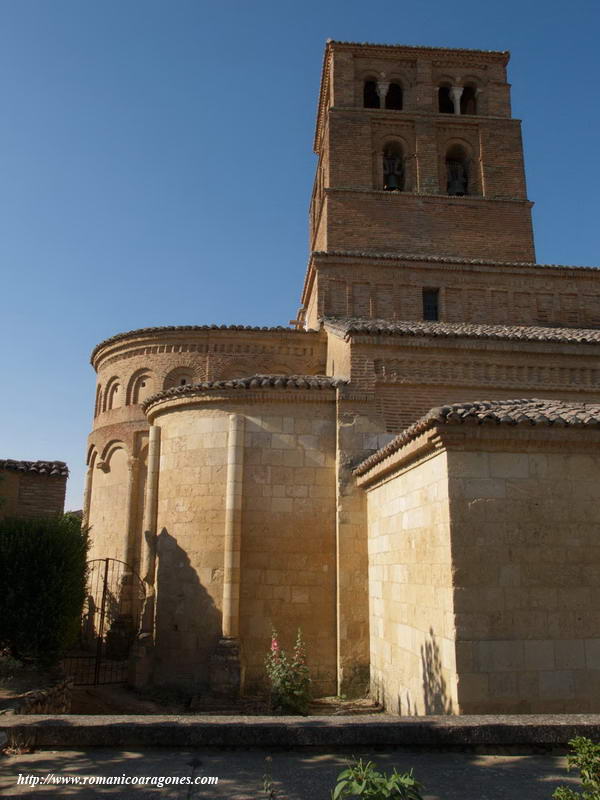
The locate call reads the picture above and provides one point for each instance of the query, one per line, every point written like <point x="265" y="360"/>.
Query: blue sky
<point x="156" y="167"/>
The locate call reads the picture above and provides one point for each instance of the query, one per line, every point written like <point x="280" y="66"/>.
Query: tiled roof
<point x="52" y="468"/>
<point x="527" y="412"/>
<point x="454" y="330"/>
<point x="176" y="328"/>
<point x="482" y="262"/>
<point x="251" y="382"/>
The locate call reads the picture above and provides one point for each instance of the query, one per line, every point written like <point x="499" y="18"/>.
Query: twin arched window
<point x="376" y="91"/>
<point x="393" y="98"/>
<point x="459" y="180"/>
<point x="468" y="100"/>
<point x="445" y="102"/>
<point x="457" y="99"/>
<point x="370" y="95"/>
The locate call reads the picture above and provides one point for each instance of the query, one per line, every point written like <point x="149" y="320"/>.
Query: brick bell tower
<point x="419" y="158"/>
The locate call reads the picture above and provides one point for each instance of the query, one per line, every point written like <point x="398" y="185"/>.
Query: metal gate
<point x="109" y="624"/>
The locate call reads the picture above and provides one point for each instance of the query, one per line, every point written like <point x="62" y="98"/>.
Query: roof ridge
<point x="477" y="330"/>
<point x="258" y="381"/>
<point x="212" y="327"/>
<point x="52" y="468"/>
<point x="446" y="259"/>
<point x="522" y="411"/>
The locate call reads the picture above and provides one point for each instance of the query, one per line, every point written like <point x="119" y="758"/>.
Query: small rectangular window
<point x="431" y="304"/>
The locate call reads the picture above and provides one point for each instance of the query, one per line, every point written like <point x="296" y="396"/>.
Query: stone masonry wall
<point x="288" y="568"/>
<point x="410" y="591"/>
<point x="525" y="526"/>
<point x="191" y="513"/>
<point x="287" y="537"/>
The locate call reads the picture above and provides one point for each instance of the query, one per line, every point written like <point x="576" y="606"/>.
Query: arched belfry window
<point x="393" y="98"/>
<point x="393" y="168"/>
<point x="468" y="100"/>
<point x="445" y="103"/>
<point x="457" y="171"/>
<point x="370" y="94"/>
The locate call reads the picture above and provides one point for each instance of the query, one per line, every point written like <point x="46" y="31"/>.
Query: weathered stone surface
<point x="193" y="731"/>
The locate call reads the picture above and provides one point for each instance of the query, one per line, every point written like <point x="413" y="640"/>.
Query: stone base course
<point x="489" y="732"/>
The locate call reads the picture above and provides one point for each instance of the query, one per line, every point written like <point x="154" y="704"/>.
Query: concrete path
<point x="305" y="774"/>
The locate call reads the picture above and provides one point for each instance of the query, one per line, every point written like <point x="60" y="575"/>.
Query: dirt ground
<point x="20" y="681"/>
<point x="121" y="700"/>
<point x="296" y="775"/>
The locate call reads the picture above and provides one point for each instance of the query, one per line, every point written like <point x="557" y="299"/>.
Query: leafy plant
<point x="363" y="780"/>
<point x="268" y="785"/>
<point x="585" y="758"/>
<point x="290" y="679"/>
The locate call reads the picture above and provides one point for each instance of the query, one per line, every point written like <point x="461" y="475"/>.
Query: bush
<point x="290" y="680"/>
<point x="363" y="780"/>
<point x="43" y="580"/>
<point x="585" y="758"/>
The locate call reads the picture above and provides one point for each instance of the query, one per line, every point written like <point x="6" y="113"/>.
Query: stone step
<point x="524" y="731"/>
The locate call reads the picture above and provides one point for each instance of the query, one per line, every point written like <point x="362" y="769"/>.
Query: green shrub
<point x="290" y="679"/>
<point x="585" y="758"/>
<point x="43" y="579"/>
<point x="363" y="780"/>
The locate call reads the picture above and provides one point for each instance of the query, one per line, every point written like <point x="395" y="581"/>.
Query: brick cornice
<point x="439" y="198"/>
<point x="446" y="261"/>
<point x="457" y="53"/>
<point x="392" y="115"/>
<point x="179" y="335"/>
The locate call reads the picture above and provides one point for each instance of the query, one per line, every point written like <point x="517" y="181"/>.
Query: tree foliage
<point x="43" y="580"/>
<point x="585" y="757"/>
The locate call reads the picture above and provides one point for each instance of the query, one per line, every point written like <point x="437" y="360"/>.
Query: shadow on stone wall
<point x="435" y="695"/>
<point x="188" y="624"/>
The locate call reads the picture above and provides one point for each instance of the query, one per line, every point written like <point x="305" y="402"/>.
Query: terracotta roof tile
<point x="52" y="468"/>
<point x="527" y="333"/>
<point x="483" y="262"/>
<point x="526" y="412"/>
<point x="176" y="328"/>
<point x="288" y="382"/>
